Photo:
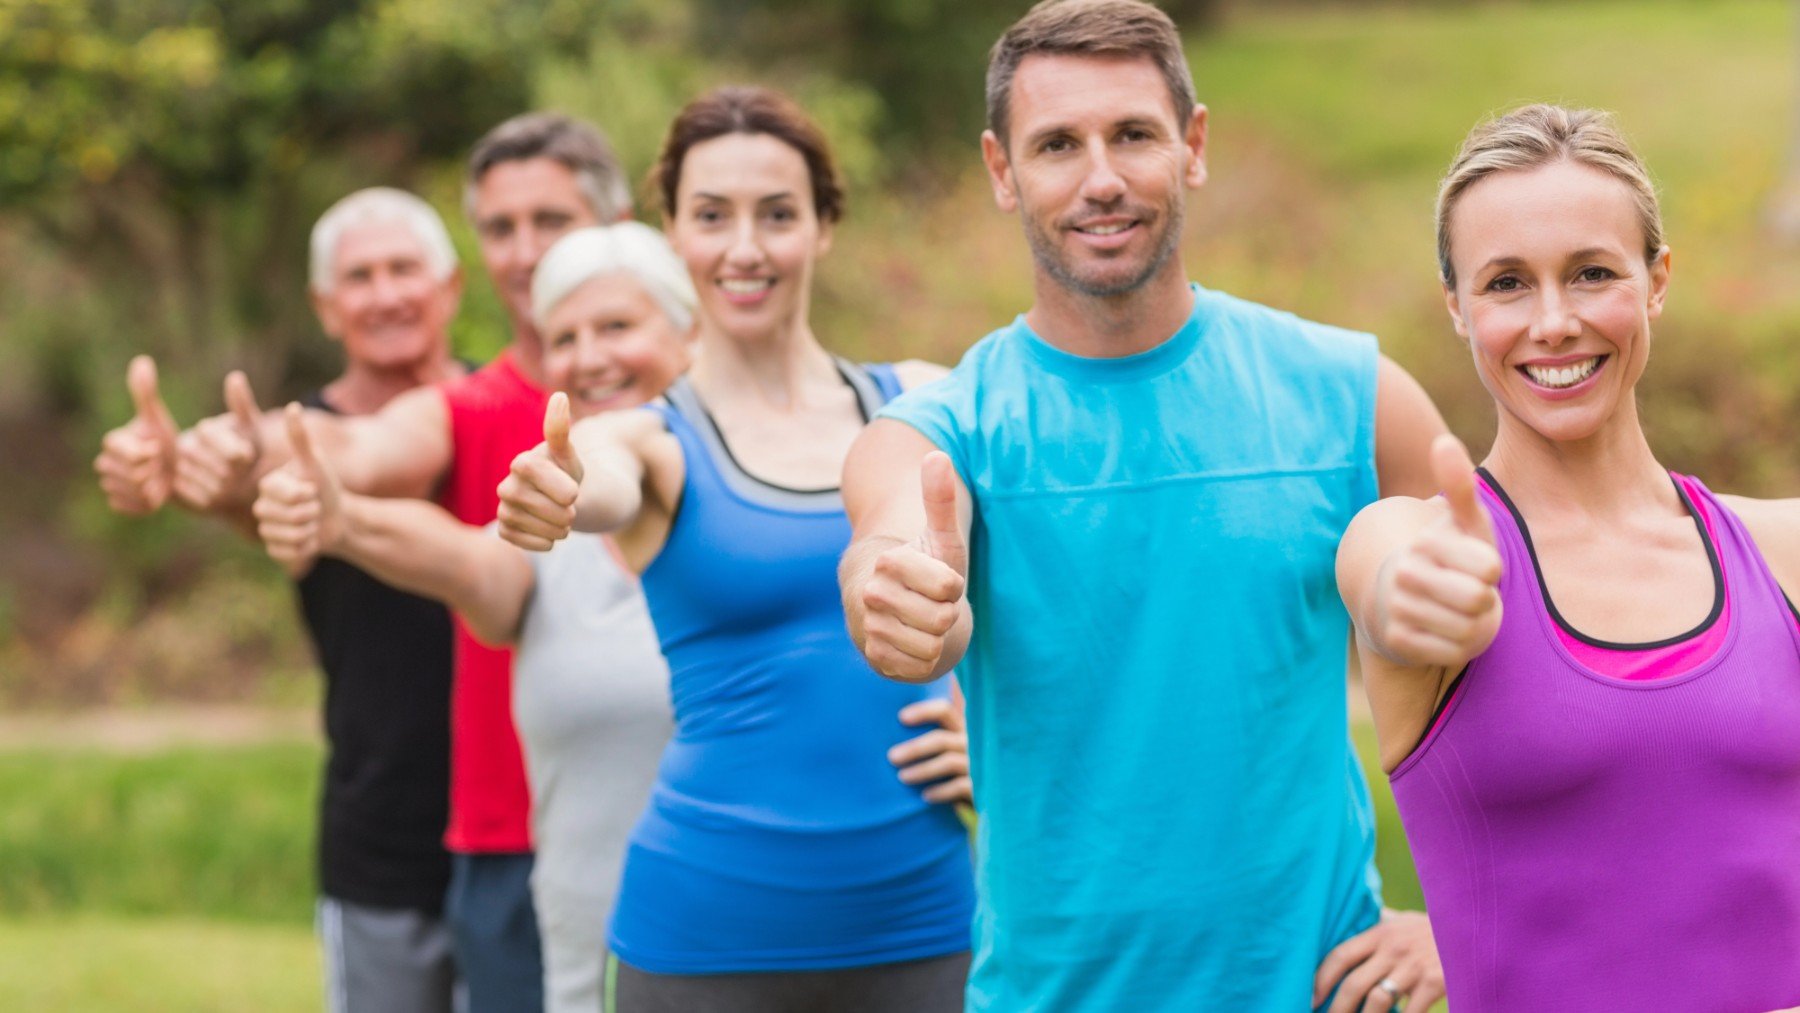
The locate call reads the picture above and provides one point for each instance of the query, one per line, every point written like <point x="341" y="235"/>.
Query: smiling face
<point x="385" y="303"/>
<point x="1097" y="166"/>
<point x="745" y="225"/>
<point x="610" y="346"/>
<point x="1555" y="296"/>
<point x="521" y="208"/>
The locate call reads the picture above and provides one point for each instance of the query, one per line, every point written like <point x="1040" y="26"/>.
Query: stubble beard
<point x="1045" y="252"/>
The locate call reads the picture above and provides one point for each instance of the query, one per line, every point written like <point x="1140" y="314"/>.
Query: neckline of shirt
<point x="1152" y="362"/>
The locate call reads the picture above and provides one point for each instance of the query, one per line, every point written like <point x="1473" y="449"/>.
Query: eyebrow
<point x="783" y="195"/>
<point x="1584" y="253"/>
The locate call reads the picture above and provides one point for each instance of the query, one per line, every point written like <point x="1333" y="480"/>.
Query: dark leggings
<point x="933" y="985"/>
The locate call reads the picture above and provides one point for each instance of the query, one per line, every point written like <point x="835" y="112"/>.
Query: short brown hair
<point x="749" y="109"/>
<point x="578" y="145"/>
<point x="1088" y="28"/>
<point x="1538" y="135"/>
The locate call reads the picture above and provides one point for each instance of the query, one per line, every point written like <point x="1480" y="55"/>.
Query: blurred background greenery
<point x="162" y="160"/>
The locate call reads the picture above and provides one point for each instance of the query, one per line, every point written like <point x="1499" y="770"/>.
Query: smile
<point x="1111" y="228"/>
<point x="1563" y="376"/>
<point x="746" y="286"/>
<point x="599" y="395"/>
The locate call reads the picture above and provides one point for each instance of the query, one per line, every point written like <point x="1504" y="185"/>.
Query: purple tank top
<point x="1589" y="842"/>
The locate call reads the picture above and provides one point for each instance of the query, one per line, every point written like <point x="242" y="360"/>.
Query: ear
<point x="1452" y="304"/>
<point x="330" y="321"/>
<point x="999" y="170"/>
<point x="1660" y="266"/>
<point x="453" y="286"/>
<point x="1195" y="141"/>
<point x="827" y="230"/>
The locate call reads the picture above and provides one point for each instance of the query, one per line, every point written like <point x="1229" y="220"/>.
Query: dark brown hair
<point x="578" y="145"/>
<point x="1088" y="28"/>
<point x="748" y="109"/>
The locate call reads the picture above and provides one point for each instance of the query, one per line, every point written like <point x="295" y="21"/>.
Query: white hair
<point x="378" y="205"/>
<point x="631" y="248"/>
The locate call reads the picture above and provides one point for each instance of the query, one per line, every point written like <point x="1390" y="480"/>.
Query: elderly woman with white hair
<point x="590" y="689"/>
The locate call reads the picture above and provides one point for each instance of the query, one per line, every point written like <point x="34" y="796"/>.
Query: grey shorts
<point x="385" y="960"/>
<point x="932" y="985"/>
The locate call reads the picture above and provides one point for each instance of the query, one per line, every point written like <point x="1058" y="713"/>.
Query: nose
<point x="745" y="251"/>
<point x="387" y="289"/>
<point x="591" y="358"/>
<point x="1102" y="184"/>
<point x="1555" y="320"/>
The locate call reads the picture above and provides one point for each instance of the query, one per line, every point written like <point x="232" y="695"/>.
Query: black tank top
<point x="386" y="656"/>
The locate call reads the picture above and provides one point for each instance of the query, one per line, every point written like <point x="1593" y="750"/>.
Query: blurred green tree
<point x="176" y="146"/>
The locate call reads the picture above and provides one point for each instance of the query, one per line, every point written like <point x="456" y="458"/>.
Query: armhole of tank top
<point x="667" y="410"/>
<point x="1437" y="718"/>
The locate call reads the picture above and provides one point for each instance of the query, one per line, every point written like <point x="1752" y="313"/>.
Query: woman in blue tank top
<point x="781" y="864"/>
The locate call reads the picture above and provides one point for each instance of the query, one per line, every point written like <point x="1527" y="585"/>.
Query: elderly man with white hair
<point x="385" y="285"/>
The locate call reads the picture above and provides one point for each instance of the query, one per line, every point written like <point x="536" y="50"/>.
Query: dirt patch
<point x="154" y="729"/>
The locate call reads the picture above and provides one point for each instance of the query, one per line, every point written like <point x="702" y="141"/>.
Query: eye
<point x="1135" y="135"/>
<point x="1057" y="146"/>
<point x="563" y="339"/>
<point x="614" y="326"/>
<point x="709" y="216"/>
<point x="781" y="214"/>
<point x="1595" y="273"/>
<point x="1504" y="283"/>
<point x="496" y="228"/>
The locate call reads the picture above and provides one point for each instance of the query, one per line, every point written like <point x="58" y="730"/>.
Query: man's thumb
<point x="556" y="434"/>
<point x="146" y="399"/>
<point x="242" y="400"/>
<point x="1454" y="474"/>
<point x="300" y="440"/>
<point x="943" y="523"/>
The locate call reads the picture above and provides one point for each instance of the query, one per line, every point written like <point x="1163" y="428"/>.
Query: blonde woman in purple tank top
<point x="1584" y="670"/>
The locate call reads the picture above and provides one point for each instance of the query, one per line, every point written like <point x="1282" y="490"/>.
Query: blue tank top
<point x="778" y="836"/>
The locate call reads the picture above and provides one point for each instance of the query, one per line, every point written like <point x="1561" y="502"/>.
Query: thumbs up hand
<point x="537" y="500"/>
<point x="913" y="598"/>
<point x="218" y="457"/>
<point x="136" y="463"/>
<point x="299" y="506"/>
<point x="1437" y="599"/>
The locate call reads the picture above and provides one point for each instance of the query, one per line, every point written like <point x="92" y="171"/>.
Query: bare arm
<point x="419" y="547"/>
<point x="1419" y="579"/>
<point x="904" y="573"/>
<point x="303" y="512"/>
<point x="1406" y="423"/>
<point x="593" y="476"/>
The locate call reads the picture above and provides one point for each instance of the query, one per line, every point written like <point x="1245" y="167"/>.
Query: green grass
<point x="223" y="833"/>
<point x="157" y="965"/>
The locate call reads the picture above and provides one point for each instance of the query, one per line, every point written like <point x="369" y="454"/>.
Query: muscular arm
<point x="1406" y="422"/>
<point x="893" y="575"/>
<point x="418" y="547"/>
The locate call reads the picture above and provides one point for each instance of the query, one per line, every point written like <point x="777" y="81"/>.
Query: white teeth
<point x="597" y="394"/>
<point x="1106" y="230"/>
<point x="1563" y="376"/>
<point x="745" y="286"/>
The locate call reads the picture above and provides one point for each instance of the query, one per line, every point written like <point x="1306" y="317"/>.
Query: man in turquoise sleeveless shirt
<point x="1140" y="484"/>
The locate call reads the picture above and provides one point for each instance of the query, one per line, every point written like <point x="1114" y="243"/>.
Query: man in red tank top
<point x="531" y="179"/>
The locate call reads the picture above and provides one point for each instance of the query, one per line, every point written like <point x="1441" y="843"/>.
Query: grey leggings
<point x="933" y="985"/>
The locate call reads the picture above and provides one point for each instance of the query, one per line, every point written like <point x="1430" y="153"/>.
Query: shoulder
<point x="1258" y="320"/>
<point x="917" y="373"/>
<point x="1774" y="524"/>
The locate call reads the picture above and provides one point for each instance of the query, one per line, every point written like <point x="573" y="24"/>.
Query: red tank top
<point x="496" y="413"/>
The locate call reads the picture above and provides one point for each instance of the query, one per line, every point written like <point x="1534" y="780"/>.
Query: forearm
<point x="610" y="498"/>
<point x="417" y="547"/>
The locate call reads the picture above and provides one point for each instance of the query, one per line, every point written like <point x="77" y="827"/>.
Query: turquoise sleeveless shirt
<point x="1172" y="814"/>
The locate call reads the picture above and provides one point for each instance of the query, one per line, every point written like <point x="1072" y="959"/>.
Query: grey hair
<point x="629" y="248"/>
<point x="1538" y="135"/>
<point x="578" y="145"/>
<point x="378" y="205"/>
